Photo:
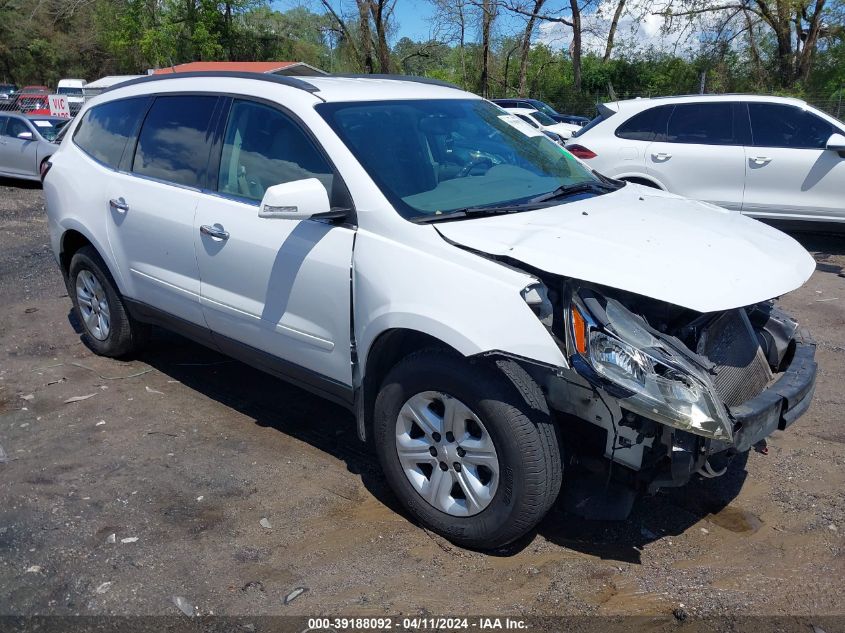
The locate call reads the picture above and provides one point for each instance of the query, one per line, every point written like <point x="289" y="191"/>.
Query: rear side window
<point x="776" y="125"/>
<point x="649" y="125"/>
<point x="263" y="147"/>
<point x="701" y="124"/>
<point x="174" y="142"/>
<point x="105" y="129"/>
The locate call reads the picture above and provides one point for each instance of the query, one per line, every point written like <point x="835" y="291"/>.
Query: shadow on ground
<point x="330" y="428"/>
<point x="19" y="183"/>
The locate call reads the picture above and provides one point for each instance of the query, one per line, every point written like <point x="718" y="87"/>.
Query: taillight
<point x="579" y="151"/>
<point x="45" y="167"/>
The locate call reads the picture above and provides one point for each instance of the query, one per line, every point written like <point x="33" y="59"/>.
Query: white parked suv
<point x="768" y="157"/>
<point x="541" y="121"/>
<point x="482" y="302"/>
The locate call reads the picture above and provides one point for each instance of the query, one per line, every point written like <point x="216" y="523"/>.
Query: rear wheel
<point x="108" y="328"/>
<point x="464" y="450"/>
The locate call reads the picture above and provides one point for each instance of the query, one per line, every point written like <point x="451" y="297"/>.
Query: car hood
<point x="564" y="129"/>
<point x="649" y="242"/>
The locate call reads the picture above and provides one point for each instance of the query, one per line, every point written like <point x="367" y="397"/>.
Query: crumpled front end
<point x="656" y="393"/>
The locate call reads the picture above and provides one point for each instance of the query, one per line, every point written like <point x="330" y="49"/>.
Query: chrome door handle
<point x="118" y="205"/>
<point x="760" y="160"/>
<point x="215" y="231"/>
<point x="661" y="156"/>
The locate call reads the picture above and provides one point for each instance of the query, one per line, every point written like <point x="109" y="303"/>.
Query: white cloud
<point x="638" y="29"/>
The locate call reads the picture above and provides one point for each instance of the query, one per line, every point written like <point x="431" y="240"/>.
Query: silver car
<point x="26" y="142"/>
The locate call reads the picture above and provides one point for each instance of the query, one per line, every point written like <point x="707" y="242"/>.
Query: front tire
<point x="470" y="451"/>
<point x="108" y="329"/>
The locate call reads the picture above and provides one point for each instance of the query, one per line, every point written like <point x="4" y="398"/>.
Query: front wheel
<point x="471" y="455"/>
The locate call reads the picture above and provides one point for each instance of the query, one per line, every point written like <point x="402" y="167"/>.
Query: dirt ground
<point x="155" y="485"/>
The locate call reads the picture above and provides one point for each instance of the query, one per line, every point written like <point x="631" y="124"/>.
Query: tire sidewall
<point x="118" y="328"/>
<point x="494" y="400"/>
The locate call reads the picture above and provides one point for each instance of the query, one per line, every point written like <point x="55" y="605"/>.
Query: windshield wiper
<point x="564" y="191"/>
<point x="474" y="212"/>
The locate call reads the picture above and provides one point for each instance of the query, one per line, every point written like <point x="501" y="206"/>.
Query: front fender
<point x="469" y="302"/>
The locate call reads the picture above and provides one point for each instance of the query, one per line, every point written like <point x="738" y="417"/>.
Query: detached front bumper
<point x="777" y="407"/>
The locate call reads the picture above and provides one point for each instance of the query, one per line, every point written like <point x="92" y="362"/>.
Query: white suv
<point x="768" y="157"/>
<point x="481" y="301"/>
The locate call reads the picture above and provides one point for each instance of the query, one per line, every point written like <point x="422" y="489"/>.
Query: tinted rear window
<point x="174" y="142"/>
<point x="105" y="129"/>
<point x="648" y="125"/>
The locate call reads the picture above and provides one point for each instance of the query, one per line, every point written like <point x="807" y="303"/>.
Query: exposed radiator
<point x="742" y="371"/>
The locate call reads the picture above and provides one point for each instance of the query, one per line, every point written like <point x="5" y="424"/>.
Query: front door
<point x="280" y="288"/>
<point x="701" y="155"/>
<point x="790" y="174"/>
<point x="17" y="155"/>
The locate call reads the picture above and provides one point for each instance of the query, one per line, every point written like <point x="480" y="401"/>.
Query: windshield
<point x="75" y="92"/>
<point x="545" y="108"/>
<point x="542" y="119"/>
<point x="49" y="128"/>
<point x="436" y="156"/>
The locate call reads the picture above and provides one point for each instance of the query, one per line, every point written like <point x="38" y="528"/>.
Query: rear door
<point x="280" y="287"/>
<point x="634" y="135"/>
<point x="153" y="199"/>
<point x="790" y="173"/>
<point x="18" y="156"/>
<point x="701" y="154"/>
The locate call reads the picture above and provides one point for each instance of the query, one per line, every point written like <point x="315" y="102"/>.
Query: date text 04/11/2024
<point x="417" y="623"/>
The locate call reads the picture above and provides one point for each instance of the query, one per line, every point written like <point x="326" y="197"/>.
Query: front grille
<point x="741" y="370"/>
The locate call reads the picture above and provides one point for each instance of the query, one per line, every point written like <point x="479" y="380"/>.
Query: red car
<point x="34" y="100"/>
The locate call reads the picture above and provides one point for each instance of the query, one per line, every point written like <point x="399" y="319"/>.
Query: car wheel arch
<point x="72" y="241"/>
<point x="75" y="237"/>
<point x="385" y="352"/>
<point x="641" y="180"/>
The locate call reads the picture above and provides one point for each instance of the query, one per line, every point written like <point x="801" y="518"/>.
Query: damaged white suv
<point x="482" y="301"/>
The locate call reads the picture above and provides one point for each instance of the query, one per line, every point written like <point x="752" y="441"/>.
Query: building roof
<point x="244" y="67"/>
<point x="111" y="80"/>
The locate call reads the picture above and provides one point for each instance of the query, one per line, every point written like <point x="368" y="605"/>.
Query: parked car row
<point x="26" y="142"/>
<point x="490" y="308"/>
<point x="767" y="157"/>
<point x="34" y="99"/>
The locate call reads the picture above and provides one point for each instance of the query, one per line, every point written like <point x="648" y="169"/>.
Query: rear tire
<point x="497" y="507"/>
<point x="108" y="329"/>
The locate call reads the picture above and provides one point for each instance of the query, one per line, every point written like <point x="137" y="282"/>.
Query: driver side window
<point x="262" y="147"/>
<point x="15" y="127"/>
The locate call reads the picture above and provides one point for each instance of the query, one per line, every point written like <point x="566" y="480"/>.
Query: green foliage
<point x="43" y="42"/>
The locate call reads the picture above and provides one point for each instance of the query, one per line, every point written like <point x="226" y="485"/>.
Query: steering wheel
<point x="475" y="162"/>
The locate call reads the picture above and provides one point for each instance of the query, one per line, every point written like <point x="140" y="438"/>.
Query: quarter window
<point x="263" y="147"/>
<point x="776" y="125"/>
<point x="701" y="124"/>
<point x="174" y="143"/>
<point x="649" y="125"/>
<point x="105" y="129"/>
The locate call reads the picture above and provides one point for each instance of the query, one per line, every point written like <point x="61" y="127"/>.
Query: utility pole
<point x="703" y="79"/>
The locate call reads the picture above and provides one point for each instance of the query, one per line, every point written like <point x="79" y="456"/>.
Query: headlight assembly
<point x="618" y="351"/>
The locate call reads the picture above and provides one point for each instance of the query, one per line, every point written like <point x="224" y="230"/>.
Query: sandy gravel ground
<point x="156" y="485"/>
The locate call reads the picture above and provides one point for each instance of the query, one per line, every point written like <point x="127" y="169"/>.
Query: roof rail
<point x="413" y="78"/>
<point x="293" y="82"/>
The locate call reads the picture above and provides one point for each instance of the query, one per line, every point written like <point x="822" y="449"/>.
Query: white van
<point x="73" y="89"/>
<point x="481" y="301"/>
